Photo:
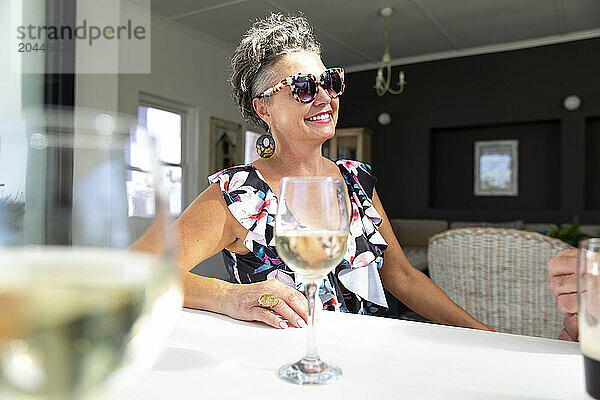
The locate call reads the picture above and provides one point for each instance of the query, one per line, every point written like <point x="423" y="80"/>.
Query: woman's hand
<point x="291" y="310"/>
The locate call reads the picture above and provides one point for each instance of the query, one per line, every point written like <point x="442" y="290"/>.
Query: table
<point x="210" y="356"/>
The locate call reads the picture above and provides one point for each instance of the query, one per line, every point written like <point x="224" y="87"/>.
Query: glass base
<point x="310" y="372"/>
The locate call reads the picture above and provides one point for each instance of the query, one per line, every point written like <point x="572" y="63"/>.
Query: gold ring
<point x="268" y="300"/>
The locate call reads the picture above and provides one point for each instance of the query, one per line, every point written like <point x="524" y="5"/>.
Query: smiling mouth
<point x="320" y="118"/>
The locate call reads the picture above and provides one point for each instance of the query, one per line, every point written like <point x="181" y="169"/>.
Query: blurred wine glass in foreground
<point x="82" y="307"/>
<point x="589" y="312"/>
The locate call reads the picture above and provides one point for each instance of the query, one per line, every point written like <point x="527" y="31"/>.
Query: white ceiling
<point x="352" y="32"/>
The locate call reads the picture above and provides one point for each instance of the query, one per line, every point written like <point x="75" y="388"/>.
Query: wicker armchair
<point x="499" y="276"/>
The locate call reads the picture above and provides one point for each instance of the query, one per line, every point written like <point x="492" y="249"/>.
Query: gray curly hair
<point x="261" y="47"/>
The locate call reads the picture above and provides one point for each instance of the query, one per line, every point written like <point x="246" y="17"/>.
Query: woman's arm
<point x="202" y="230"/>
<point x="414" y="288"/>
<point x="205" y="228"/>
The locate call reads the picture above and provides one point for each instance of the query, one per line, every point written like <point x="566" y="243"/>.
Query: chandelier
<point x="384" y="72"/>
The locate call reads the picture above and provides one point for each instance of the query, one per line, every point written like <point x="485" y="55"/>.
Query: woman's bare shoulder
<point x="207" y="226"/>
<point x="209" y="202"/>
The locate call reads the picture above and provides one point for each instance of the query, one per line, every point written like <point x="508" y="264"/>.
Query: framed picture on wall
<point x="226" y="144"/>
<point x="496" y="171"/>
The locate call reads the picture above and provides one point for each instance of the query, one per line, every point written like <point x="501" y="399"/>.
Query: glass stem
<point x="311" y="343"/>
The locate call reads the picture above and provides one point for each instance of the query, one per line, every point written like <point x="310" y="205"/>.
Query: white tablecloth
<point x="210" y="356"/>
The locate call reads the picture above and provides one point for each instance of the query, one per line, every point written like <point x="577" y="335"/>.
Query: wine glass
<point x="311" y="234"/>
<point x="87" y="292"/>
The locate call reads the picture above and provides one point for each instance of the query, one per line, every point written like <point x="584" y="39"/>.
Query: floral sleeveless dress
<point x="354" y="286"/>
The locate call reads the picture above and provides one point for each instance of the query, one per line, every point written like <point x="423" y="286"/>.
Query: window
<point x="166" y="126"/>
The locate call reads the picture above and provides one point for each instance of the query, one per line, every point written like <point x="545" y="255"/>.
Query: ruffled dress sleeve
<point x="360" y="270"/>
<point x="251" y="201"/>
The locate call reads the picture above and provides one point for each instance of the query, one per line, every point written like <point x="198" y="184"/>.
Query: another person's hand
<point x="291" y="310"/>
<point x="563" y="283"/>
<point x="487" y="328"/>
<point x="563" y="280"/>
<point x="571" y="330"/>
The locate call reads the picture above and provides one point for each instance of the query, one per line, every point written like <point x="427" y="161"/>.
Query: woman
<point x="272" y="85"/>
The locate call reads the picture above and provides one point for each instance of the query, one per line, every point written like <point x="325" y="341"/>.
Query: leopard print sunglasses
<point x="305" y="86"/>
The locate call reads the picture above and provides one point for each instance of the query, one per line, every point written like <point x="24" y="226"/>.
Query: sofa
<point x="413" y="234"/>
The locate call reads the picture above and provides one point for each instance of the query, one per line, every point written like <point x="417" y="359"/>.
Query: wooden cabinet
<point x="350" y="144"/>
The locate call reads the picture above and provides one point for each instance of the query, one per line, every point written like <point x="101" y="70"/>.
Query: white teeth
<point x="318" y="117"/>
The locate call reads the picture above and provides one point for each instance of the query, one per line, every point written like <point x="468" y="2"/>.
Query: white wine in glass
<point x="311" y="235"/>
<point x="312" y="254"/>
<point x="72" y="317"/>
<point x="84" y="303"/>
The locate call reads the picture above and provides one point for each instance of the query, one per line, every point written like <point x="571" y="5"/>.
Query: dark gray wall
<point x="451" y="183"/>
<point x="424" y="158"/>
<point x="592" y="167"/>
